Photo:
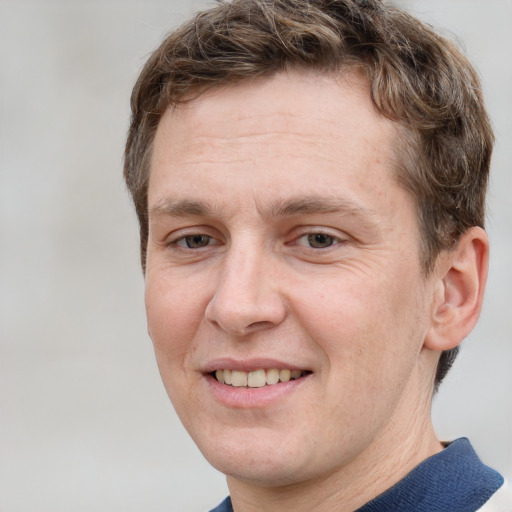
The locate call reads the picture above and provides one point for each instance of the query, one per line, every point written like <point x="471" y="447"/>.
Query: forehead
<point x="275" y="135"/>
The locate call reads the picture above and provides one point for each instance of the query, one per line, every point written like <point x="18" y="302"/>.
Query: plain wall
<point x="85" y="424"/>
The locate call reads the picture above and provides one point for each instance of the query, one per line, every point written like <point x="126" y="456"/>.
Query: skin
<point x="278" y="235"/>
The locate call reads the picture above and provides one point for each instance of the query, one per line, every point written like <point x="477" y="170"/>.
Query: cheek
<point x="174" y="313"/>
<point x="173" y="317"/>
<point x="368" y="325"/>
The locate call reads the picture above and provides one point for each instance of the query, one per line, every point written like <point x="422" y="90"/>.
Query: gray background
<point x="85" y="424"/>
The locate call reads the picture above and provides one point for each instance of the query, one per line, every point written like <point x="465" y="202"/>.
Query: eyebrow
<point x="277" y="208"/>
<point x="182" y="208"/>
<point x="318" y="204"/>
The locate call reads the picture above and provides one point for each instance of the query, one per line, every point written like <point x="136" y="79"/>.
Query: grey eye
<point x="320" y="240"/>
<point x="196" y="241"/>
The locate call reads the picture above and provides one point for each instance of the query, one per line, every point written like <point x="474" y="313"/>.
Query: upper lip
<point x="248" y="365"/>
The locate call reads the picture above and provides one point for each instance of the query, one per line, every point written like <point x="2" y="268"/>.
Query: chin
<point x="262" y="472"/>
<point x="258" y="457"/>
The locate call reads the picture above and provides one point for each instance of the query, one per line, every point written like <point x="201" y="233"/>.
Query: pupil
<point x="320" y="240"/>
<point x="195" y="241"/>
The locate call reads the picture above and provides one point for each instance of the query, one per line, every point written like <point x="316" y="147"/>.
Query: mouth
<point x="257" y="378"/>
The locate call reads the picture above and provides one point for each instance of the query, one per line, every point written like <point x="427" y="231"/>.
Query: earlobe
<point x="459" y="290"/>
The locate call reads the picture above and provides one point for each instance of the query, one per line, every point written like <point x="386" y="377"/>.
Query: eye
<point x="318" y="240"/>
<point x="195" y="241"/>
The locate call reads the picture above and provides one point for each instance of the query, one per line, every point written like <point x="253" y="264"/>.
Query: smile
<point x="257" y="378"/>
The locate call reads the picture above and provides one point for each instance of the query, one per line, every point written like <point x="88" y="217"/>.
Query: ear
<point x="460" y="276"/>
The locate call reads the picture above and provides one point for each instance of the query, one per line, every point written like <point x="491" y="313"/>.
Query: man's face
<point x="280" y="243"/>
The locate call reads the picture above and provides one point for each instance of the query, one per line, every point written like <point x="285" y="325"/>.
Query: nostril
<point x="260" y="325"/>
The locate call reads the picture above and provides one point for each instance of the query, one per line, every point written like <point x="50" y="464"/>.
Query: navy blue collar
<point x="453" y="479"/>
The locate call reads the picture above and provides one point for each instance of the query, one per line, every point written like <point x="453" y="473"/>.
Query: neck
<point x="407" y="440"/>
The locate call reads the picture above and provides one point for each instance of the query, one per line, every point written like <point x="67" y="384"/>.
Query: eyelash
<point x="319" y="237"/>
<point x="310" y="238"/>
<point x="183" y="241"/>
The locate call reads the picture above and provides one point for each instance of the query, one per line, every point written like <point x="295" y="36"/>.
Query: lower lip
<point x="251" y="398"/>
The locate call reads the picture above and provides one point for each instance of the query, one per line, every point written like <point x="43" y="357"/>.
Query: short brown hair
<point x="418" y="79"/>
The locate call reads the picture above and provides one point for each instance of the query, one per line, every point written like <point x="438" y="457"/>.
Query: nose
<point x="247" y="297"/>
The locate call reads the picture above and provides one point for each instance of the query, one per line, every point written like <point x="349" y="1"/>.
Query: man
<point x="310" y="182"/>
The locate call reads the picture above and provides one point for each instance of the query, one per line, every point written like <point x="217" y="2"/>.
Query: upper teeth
<point x="256" y="378"/>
